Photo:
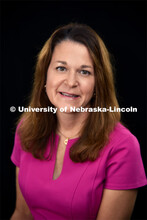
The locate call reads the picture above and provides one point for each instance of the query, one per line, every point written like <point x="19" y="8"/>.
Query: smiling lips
<point x="65" y="94"/>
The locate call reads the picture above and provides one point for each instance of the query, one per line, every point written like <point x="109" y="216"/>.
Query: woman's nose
<point x="72" y="79"/>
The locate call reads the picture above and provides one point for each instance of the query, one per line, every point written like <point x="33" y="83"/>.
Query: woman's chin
<point x="68" y="109"/>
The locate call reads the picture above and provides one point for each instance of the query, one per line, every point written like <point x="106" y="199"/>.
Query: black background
<point x="25" y="26"/>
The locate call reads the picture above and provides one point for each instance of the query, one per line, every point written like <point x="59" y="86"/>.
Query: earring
<point x="45" y="88"/>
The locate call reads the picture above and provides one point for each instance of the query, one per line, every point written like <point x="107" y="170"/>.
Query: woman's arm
<point x="21" y="211"/>
<point x="117" y="204"/>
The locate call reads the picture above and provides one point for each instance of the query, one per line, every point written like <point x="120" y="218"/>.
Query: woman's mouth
<point x="65" y="94"/>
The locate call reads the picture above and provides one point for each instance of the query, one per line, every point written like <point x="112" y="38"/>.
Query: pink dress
<point x="77" y="192"/>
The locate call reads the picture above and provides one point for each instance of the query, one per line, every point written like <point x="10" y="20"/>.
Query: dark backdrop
<point x="25" y="26"/>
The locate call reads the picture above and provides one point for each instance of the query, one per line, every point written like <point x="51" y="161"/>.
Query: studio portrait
<point x="73" y="111"/>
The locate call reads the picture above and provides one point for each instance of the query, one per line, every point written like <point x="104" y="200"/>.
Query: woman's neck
<point x="70" y="124"/>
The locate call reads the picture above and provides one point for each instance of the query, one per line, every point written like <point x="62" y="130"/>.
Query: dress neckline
<point x="65" y="160"/>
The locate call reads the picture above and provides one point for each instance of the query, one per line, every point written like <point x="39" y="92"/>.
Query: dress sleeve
<point x="16" y="153"/>
<point x="125" y="168"/>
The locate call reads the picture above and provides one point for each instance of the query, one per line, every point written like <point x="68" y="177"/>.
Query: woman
<point x="75" y="164"/>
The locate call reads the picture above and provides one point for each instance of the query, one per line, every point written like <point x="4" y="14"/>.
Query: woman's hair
<point x="36" y="129"/>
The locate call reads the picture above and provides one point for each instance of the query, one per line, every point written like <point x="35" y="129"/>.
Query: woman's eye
<point x="85" y="72"/>
<point x="61" y="68"/>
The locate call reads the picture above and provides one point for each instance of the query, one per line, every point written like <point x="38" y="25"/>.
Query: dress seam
<point x="94" y="183"/>
<point x="76" y="189"/>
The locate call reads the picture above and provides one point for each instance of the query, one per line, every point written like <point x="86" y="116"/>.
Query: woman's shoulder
<point x="122" y="159"/>
<point x="121" y="138"/>
<point x="121" y="133"/>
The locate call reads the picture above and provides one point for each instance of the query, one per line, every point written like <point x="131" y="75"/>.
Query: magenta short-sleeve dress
<point x="76" y="194"/>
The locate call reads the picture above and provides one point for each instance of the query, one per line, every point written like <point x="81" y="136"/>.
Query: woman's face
<point x="70" y="76"/>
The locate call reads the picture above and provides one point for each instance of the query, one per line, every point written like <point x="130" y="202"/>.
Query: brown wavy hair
<point x="37" y="128"/>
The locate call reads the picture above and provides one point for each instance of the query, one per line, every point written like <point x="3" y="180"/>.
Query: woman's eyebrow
<point x="86" y="66"/>
<point x="63" y="62"/>
<point x="82" y="66"/>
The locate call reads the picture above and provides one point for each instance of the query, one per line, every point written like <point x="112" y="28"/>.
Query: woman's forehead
<point x="68" y="52"/>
